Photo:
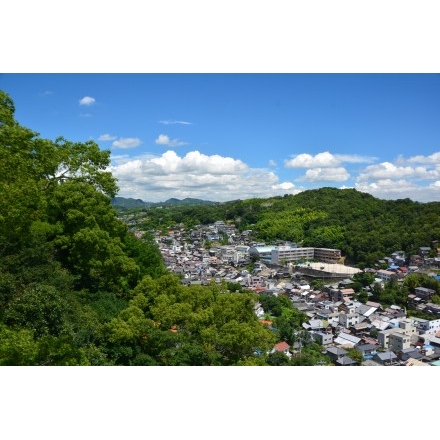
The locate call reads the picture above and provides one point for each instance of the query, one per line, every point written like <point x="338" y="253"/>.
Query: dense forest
<point x="365" y="228"/>
<point x="78" y="288"/>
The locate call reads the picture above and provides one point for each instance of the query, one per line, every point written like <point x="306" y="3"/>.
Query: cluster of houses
<point x="384" y="336"/>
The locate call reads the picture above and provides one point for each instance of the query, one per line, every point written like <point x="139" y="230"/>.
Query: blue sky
<point x="227" y="136"/>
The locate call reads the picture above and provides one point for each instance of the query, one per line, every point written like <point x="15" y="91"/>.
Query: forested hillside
<point x="363" y="227"/>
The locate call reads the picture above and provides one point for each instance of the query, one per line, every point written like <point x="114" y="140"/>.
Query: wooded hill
<point x="122" y="203"/>
<point x="365" y="228"/>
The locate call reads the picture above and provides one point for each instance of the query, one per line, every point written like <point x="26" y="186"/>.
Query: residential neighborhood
<point x="385" y="336"/>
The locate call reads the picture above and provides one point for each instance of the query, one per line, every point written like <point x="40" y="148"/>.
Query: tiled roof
<point x="281" y="346"/>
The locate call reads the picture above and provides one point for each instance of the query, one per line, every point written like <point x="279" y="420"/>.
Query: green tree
<point x="356" y="355"/>
<point x="17" y="347"/>
<point x="39" y="308"/>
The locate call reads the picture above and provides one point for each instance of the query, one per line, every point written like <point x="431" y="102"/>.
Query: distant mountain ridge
<point x="129" y="203"/>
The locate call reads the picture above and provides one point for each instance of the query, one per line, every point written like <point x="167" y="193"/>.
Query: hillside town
<point x="385" y="335"/>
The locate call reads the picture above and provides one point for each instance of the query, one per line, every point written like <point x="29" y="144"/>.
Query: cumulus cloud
<point x="390" y="189"/>
<point x="171" y="122"/>
<point x="107" y="137"/>
<point x="337" y="174"/>
<point x="87" y="100"/>
<point x="126" y="143"/>
<point x="433" y="159"/>
<point x="215" y="177"/>
<point x="407" y="177"/>
<point x="284" y="186"/>
<point x="387" y="170"/>
<point x="304" y="160"/>
<point x="272" y="163"/>
<point x="163" y="139"/>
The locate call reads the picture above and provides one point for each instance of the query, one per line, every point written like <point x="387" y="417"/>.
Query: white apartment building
<point x="281" y="254"/>
<point x="385" y="275"/>
<point x="428" y="327"/>
<point x="348" y="319"/>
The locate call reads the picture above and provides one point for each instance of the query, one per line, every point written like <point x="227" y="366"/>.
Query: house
<point x="258" y="309"/>
<point x="425" y="326"/>
<point x="386" y="358"/>
<point x="433" y="308"/>
<point x="381" y="323"/>
<point x="373" y="304"/>
<point x="348" y="319"/>
<point x="345" y="294"/>
<point x="361" y="328"/>
<point x="409" y="353"/>
<point x="365" y="310"/>
<point x="335" y="353"/>
<point x="283" y="347"/>
<point x="394" y="337"/>
<point x="385" y="275"/>
<point x="424" y="251"/>
<point x="347" y="340"/>
<point x="314" y="324"/>
<point x="415" y="363"/>
<point x="345" y="361"/>
<point x="347" y="307"/>
<point x="323" y="338"/>
<point x="424" y="293"/>
<point x="368" y="350"/>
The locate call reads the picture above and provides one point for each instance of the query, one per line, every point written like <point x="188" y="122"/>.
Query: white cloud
<point x="214" y="177"/>
<point x="284" y="186"/>
<point x="304" y="160"/>
<point x="127" y="143"/>
<point x="106" y="137"/>
<point x="85" y="115"/>
<point x="387" y="170"/>
<point x="354" y="158"/>
<point x="433" y="159"/>
<point x="272" y="163"/>
<point x="390" y="189"/>
<point x="337" y="174"/>
<point x="171" y="122"/>
<point x="163" y="139"/>
<point x="87" y="100"/>
<point x="219" y="178"/>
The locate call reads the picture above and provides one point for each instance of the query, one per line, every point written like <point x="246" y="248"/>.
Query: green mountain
<point x="130" y="203"/>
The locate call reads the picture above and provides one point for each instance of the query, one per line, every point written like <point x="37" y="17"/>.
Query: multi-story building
<point x="385" y="275"/>
<point x="327" y="255"/>
<point x="291" y="253"/>
<point x="424" y="293"/>
<point x="348" y="319"/>
<point x="428" y="327"/>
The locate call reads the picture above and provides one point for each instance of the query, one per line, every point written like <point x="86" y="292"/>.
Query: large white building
<point x="286" y="254"/>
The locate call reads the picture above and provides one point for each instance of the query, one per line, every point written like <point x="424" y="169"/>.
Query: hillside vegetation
<point x="365" y="228"/>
